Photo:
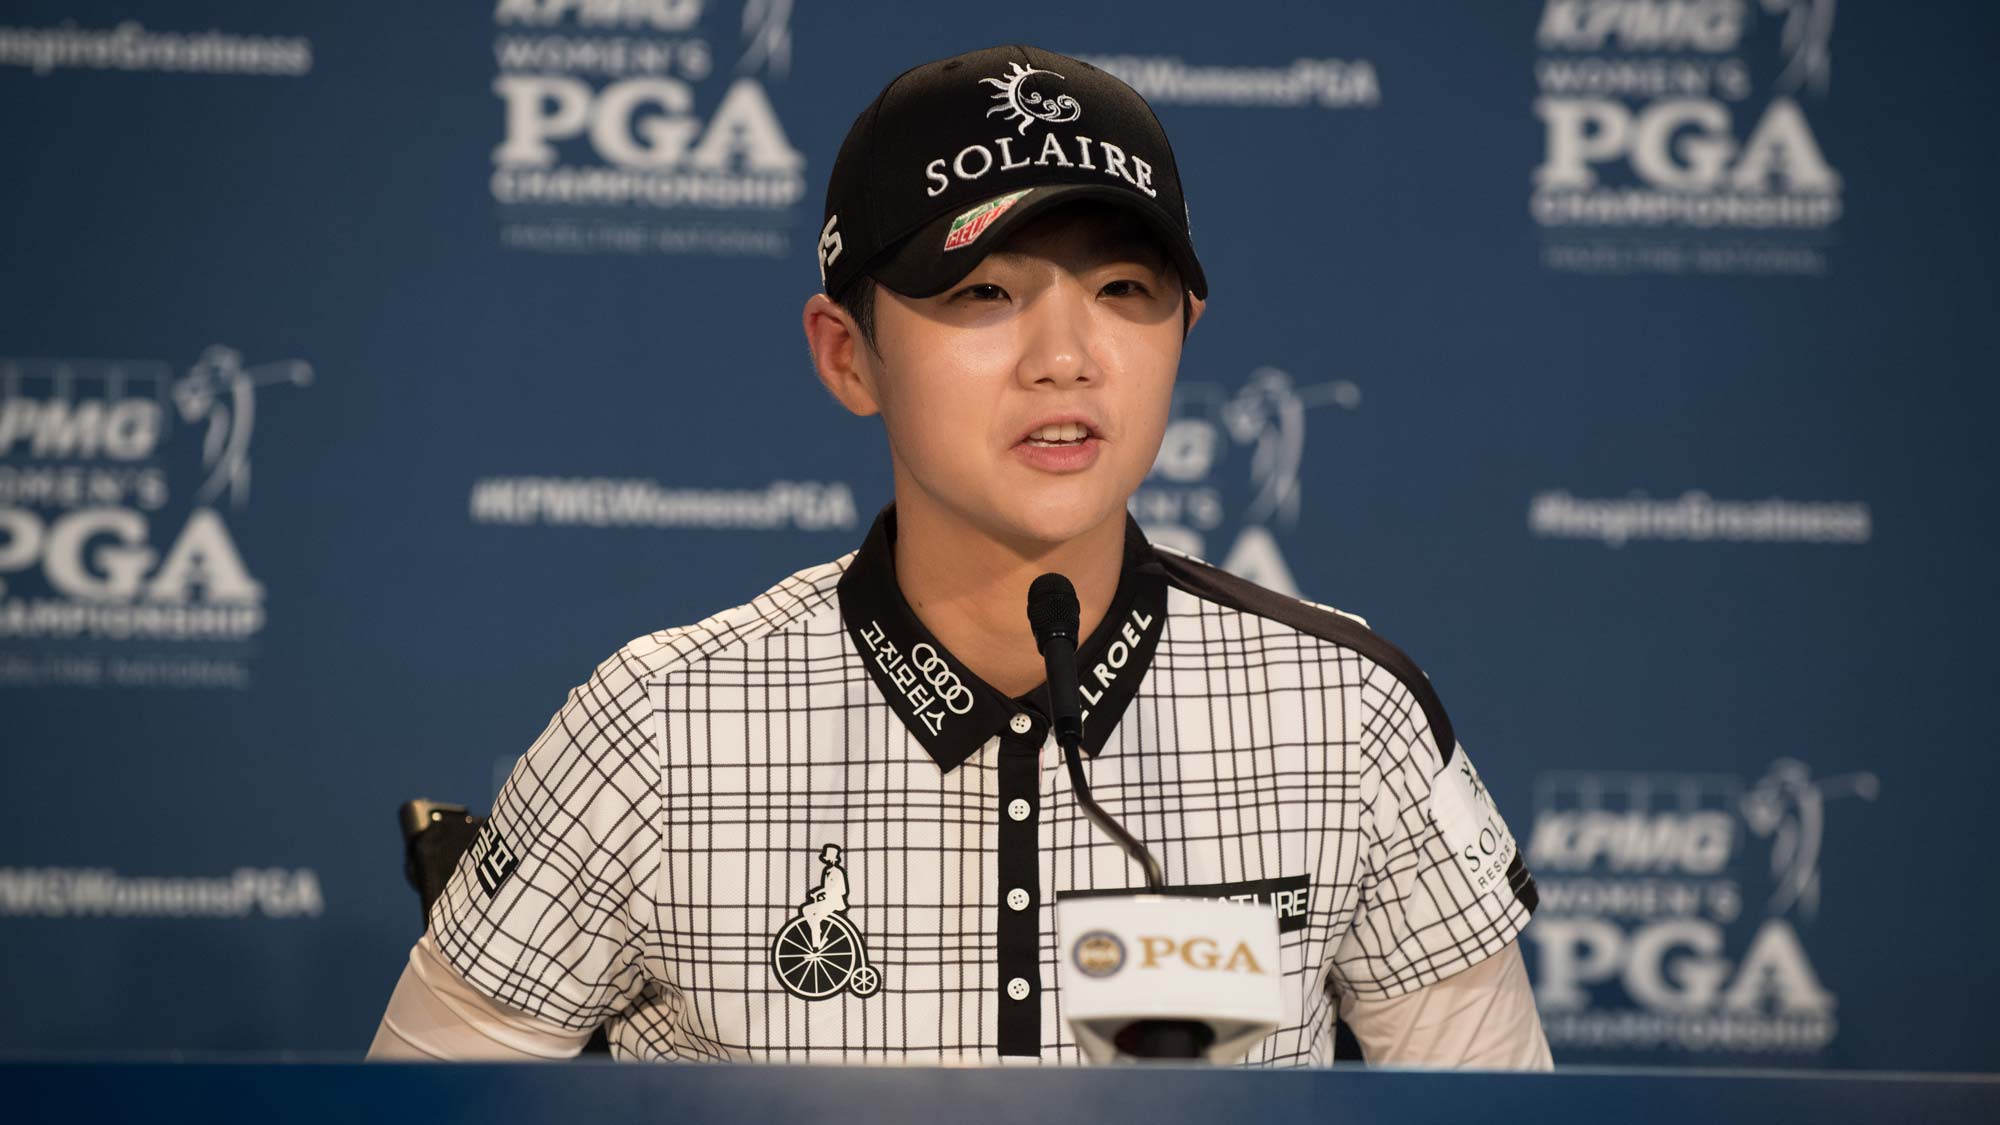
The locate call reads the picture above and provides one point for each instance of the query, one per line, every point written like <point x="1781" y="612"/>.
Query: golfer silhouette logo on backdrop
<point x="221" y="393"/>
<point x="819" y="953"/>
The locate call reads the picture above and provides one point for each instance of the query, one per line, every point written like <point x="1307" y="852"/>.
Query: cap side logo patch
<point x="830" y="246"/>
<point x="969" y="226"/>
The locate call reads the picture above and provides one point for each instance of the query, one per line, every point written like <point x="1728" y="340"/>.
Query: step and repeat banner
<point x="369" y="372"/>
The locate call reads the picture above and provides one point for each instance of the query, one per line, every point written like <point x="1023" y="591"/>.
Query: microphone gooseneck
<point x="1053" y="614"/>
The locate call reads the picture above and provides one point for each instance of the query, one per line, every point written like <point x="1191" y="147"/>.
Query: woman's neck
<point x="970" y="589"/>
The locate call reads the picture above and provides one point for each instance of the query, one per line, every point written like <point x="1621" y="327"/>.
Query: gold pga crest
<point x="1098" y="953"/>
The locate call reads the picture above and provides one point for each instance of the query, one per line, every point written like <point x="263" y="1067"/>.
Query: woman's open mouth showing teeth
<point x="1060" y="447"/>
<point x="1061" y="433"/>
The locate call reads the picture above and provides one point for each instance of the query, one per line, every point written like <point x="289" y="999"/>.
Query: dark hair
<point x="859" y="301"/>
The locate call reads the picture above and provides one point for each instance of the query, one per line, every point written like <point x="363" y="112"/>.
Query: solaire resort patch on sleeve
<point x="1469" y="822"/>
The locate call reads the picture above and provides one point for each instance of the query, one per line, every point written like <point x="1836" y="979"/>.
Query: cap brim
<point x="922" y="266"/>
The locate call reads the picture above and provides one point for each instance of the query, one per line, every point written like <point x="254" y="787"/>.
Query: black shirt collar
<point x="953" y="712"/>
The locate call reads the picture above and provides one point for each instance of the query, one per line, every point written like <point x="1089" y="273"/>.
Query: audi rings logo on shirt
<point x="951" y="691"/>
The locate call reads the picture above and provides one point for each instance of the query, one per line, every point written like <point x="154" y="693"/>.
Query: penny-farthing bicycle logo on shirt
<point x="819" y="953"/>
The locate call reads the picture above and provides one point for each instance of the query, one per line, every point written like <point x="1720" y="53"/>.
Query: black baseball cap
<point x="955" y="153"/>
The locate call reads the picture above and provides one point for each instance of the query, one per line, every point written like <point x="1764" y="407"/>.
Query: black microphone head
<point x="1052" y="609"/>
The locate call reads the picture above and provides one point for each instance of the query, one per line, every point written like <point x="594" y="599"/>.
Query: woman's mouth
<point x="1060" y="447"/>
<point x="1059" y="434"/>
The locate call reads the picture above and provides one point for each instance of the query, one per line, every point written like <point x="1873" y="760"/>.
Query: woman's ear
<point x="841" y="358"/>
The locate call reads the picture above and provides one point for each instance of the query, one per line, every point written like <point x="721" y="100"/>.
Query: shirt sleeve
<point x="1442" y="885"/>
<point x="433" y="1014"/>
<point x="548" y="910"/>
<point x="1483" y="1018"/>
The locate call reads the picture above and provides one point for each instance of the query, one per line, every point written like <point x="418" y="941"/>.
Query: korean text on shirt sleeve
<point x="546" y="912"/>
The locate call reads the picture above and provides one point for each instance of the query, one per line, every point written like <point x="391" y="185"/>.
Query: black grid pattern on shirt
<point x="670" y="820"/>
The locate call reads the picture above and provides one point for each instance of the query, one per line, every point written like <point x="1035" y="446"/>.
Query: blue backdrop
<point x="1626" y="361"/>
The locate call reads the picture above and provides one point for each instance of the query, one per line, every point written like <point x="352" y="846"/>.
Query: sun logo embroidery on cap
<point x="819" y="954"/>
<point x="1024" y="106"/>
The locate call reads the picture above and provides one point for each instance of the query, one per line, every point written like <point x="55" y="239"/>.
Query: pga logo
<point x="1202" y="954"/>
<point x="1680" y="144"/>
<point x="646" y="123"/>
<point x="104" y="555"/>
<point x="1676" y="965"/>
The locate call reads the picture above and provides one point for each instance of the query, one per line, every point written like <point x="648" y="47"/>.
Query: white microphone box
<point x="1128" y="958"/>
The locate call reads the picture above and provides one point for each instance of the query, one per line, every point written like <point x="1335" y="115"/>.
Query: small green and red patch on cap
<point x="969" y="226"/>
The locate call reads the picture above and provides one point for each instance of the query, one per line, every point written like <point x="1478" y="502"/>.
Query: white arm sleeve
<point x="434" y="1014"/>
<point x="1482" y="1018"/>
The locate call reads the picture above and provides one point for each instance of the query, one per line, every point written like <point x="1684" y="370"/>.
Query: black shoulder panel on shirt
<point x="1224" y="588"/>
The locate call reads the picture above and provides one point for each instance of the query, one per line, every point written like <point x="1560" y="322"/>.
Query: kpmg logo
<point x="1677" y="909"/>
<point x="640" y="131"/>
<point x="1678" y="136"/>
<point x="118" y="482"/>
<point x="1227" y="475"/>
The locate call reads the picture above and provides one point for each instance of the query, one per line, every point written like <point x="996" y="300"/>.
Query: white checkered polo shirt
<point x="801" y="830"/>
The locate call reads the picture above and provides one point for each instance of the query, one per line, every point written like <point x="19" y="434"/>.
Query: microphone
<point x="1155" y="976"/>
<point x="1053" y="615"/>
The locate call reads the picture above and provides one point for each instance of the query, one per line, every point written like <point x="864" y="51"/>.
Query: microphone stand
<point x="1073" y="758"/>
<point x="1052" y="612"/>
<point x="1141" y="1039"/>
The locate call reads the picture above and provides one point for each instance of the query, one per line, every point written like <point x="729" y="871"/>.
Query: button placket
<point x="1018" y="930"/>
